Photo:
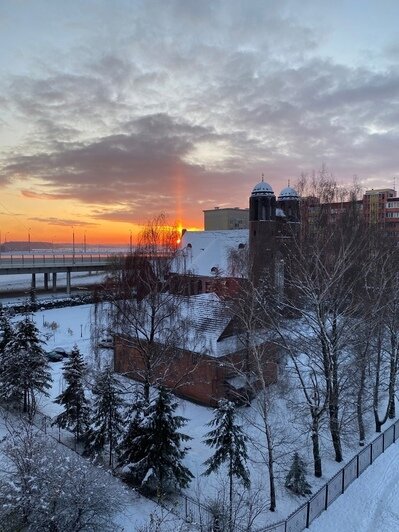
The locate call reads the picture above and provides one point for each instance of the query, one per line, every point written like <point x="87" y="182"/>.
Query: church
<point x="213" y="357"/>
<point x="213" y="261"/>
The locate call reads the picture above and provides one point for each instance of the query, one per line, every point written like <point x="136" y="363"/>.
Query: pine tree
<point x="106" y="420"/>
<point x="230" y="443"/>
<point x="25" y="370"/>
<point x="296" y="478"/>
<point x="152" y="449"/>
<point x="76" y="411"/>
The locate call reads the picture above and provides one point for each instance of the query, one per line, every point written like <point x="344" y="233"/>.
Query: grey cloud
<point x="62" y="222"/>
<point x="119" y="127"/>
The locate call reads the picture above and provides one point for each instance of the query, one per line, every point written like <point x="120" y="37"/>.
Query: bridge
<point x="46" y="264"/>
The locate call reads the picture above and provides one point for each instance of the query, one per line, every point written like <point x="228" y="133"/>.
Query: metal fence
<point x="191" y="510"/>
<point x="200" y="515"/>
<point x="320" y="501"/>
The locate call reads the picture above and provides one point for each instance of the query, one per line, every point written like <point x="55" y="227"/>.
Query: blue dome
<point x="288" y="193"/>
<point x="262" y="189"/>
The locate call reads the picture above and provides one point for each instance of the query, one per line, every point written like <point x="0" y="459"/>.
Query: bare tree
<point x="142" y="309"/>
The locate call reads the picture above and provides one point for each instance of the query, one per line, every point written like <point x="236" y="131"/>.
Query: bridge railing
<point x="54" y="259"/>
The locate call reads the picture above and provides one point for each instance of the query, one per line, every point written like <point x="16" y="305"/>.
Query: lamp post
<point x="73" y="245"/>
<point x="130" y="242"/>
<point x="29" y="239"/>
<point x="84" y="242"/>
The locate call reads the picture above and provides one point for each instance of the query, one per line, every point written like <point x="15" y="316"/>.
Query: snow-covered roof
<point x="194" y="323"/>
<point x="288" y="193"/>
<point x="207" y="252"/>
<point x="262" y="189"/>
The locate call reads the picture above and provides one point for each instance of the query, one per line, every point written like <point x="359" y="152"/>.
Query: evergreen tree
<point x="106" y="420"/>
<point x="25" y="370"/>
<point x="6" y="330"/>
<point x="76" y="411"/>
<point x="296" y="478"/>
<point x="152" y="448"/>
<point x="230" y="446"/>
<point x="131" y="450"/>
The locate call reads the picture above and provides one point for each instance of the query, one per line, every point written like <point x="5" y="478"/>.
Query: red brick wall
<point x="200" y="378"/>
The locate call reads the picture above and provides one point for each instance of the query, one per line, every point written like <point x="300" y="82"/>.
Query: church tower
<point x="288" y="201"/>
<point x="262" y="231"/>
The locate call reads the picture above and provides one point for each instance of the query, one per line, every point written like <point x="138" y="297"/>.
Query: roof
<point x="194" y="323"/>
<point x="262" y="189"/>
<point x="288" y="193"/>
<point x="206" y="252"/>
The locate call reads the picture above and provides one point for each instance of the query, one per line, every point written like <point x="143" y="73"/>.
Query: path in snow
<point x="371" y="503"/>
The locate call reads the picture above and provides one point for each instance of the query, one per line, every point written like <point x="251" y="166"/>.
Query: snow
<point x="370" y="504"/>
<point x="204" y="250"/>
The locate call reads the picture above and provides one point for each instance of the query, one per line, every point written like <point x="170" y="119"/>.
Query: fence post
<point x="357" y="465"/>
<point x="326" y="502"/>
<point x="307" y="514"/>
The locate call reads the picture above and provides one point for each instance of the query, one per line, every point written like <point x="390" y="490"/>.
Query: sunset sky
<point x="115" y="111"/>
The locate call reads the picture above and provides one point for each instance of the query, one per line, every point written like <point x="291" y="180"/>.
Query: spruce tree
<point x="131" y="451"/>
<point x="6" y="329"/>
<point x="296" y="478"/>
<point x="76" y="411"/>
<point x="106" y="420"/>
<point x="230" y="446"/>
<point x="25" y="370"/>
<point x="152" y="449"/>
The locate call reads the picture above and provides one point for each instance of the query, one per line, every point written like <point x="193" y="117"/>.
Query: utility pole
<point x="73" y="245"/>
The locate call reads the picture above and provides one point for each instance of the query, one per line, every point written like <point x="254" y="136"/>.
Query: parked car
<point x="106" y="343"/>
<point x="61" y="351"/>
<point x="53" y="356"/>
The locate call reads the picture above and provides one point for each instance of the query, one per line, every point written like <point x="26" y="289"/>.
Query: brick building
<point x="209" y="358"/>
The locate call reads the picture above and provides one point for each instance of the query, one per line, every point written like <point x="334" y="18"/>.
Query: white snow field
<point x="370" y="503"/>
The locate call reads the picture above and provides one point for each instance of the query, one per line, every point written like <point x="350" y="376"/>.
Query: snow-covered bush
<point x="46" y="487"/>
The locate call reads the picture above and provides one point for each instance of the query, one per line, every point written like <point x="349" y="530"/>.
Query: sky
<point x="115" y="112"/>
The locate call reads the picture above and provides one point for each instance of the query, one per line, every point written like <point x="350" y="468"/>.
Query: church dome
<point x="288" y="193"/>
<point x="262" y="189"/>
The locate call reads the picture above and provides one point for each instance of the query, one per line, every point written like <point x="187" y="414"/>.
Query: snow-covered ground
<point x="370" y="504"/>
<point x="74" y="326"/>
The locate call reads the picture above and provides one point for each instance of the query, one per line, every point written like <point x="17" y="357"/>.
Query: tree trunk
<point x="231" y="528"/>
<point x="359" y="404"/>
<point x="316" y="446"/>
<point x="271" y="469"/>
<point x="335" y="431"/>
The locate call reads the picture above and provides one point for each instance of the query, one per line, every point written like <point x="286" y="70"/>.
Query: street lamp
<point x="29" y="239"/>
<point x="73" y="244"/>
<point x="84" y="242"/>
<point x="130" y="241"/>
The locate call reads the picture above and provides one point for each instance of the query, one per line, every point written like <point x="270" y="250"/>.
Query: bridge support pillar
<point x="46" y="281"/>
<point x="33" y="285"/>
<point x="68" y="282"/>
<point x="54" y="281"/>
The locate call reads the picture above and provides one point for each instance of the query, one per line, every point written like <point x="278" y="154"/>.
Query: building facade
<point x="226" y="219"/>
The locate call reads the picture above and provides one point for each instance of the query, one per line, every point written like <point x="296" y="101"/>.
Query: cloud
<point x="62" y="221"/>
<point x="188" y="103"/>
